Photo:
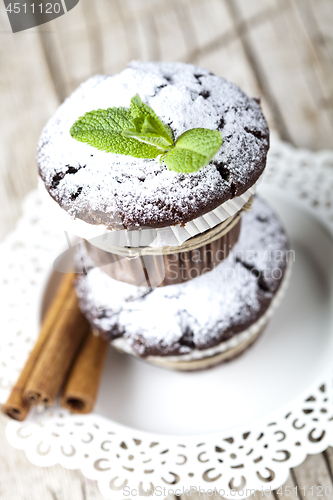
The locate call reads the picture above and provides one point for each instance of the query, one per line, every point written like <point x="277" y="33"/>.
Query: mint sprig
<point x="137" y="131"/>
<point x="147" y="121"/>
<point x="193" y="150"/>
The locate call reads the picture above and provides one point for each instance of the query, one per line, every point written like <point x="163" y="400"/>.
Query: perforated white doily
<point x="256" y="456"/>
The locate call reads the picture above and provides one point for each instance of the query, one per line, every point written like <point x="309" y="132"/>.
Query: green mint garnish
<point x="137" y="131"/>
<point x="103" y="129"/>
<point x="193" y="150"/>
<point x="147" y="122"/>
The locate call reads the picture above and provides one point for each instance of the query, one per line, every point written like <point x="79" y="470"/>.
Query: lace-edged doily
<point x="257" y="456"/>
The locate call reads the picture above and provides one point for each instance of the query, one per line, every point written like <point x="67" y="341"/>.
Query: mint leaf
<point x="153" y="139"/>
<point x="103" y="119"/>
<point x="201" y="140"/>
<point x="103" y="129"/>
<point x="151" y="127"/>
<point x="184" y="161"/>
<point x="193" y="150"/>
<point x="147" y="121"/>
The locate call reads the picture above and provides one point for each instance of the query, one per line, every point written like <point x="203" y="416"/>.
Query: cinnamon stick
<point x="80" y="392"/>
<point x="16" y="406"/>
<point x="53" y="365"/>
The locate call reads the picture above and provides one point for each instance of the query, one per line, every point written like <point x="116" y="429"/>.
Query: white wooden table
<point x="281" y="50"/>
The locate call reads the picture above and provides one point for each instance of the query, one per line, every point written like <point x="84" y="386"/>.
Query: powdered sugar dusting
<point x="199" y="313"/>
<point x="121" y="191"/>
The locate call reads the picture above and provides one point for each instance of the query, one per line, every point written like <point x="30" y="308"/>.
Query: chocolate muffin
<point x="121" y="192"/>
<point x="201" y="322"/>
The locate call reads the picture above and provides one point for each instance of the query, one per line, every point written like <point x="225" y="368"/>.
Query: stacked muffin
<point x="179" y="269"/>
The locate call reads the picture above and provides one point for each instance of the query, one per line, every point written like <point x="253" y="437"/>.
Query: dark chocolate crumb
<point x="60" y="175"/>
<point x="222" y="170"/>
<point x="256" y="273"/>
<point x="205" y="94"/>
<point x="72" y="170"/>
<point x="257" y="133"/>
<point x="221" y="124"/>
<point x="76" y="194"/>
<point x="57" y="178"/>
<point x="187" y="339"/>
<point x="262" y="283"/>
<point x="261" y="218"/>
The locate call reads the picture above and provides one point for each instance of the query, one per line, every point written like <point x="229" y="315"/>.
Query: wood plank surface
<point x="314" y="477"/>
<point x="280" y="50"/>
<point x="27" y="99"/>
<point x="19" y="480"/>
<point x="290" y="72"/>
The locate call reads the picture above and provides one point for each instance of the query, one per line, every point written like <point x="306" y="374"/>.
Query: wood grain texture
<point x="281" y="50"/>
<point x="314" y="478"/>
<point x="27" y="99"/>
<point x="289" y="69"/>
<point x="19" y="480"/>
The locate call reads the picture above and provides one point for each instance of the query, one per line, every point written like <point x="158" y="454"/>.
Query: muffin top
<point x="120" y="191"/>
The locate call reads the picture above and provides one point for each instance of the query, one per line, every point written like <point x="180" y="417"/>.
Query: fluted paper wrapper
<point x="161" y="270"/>
<point x="171" y="235"/>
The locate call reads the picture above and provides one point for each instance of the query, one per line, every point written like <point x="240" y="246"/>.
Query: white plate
<point x="196" y="415"/>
